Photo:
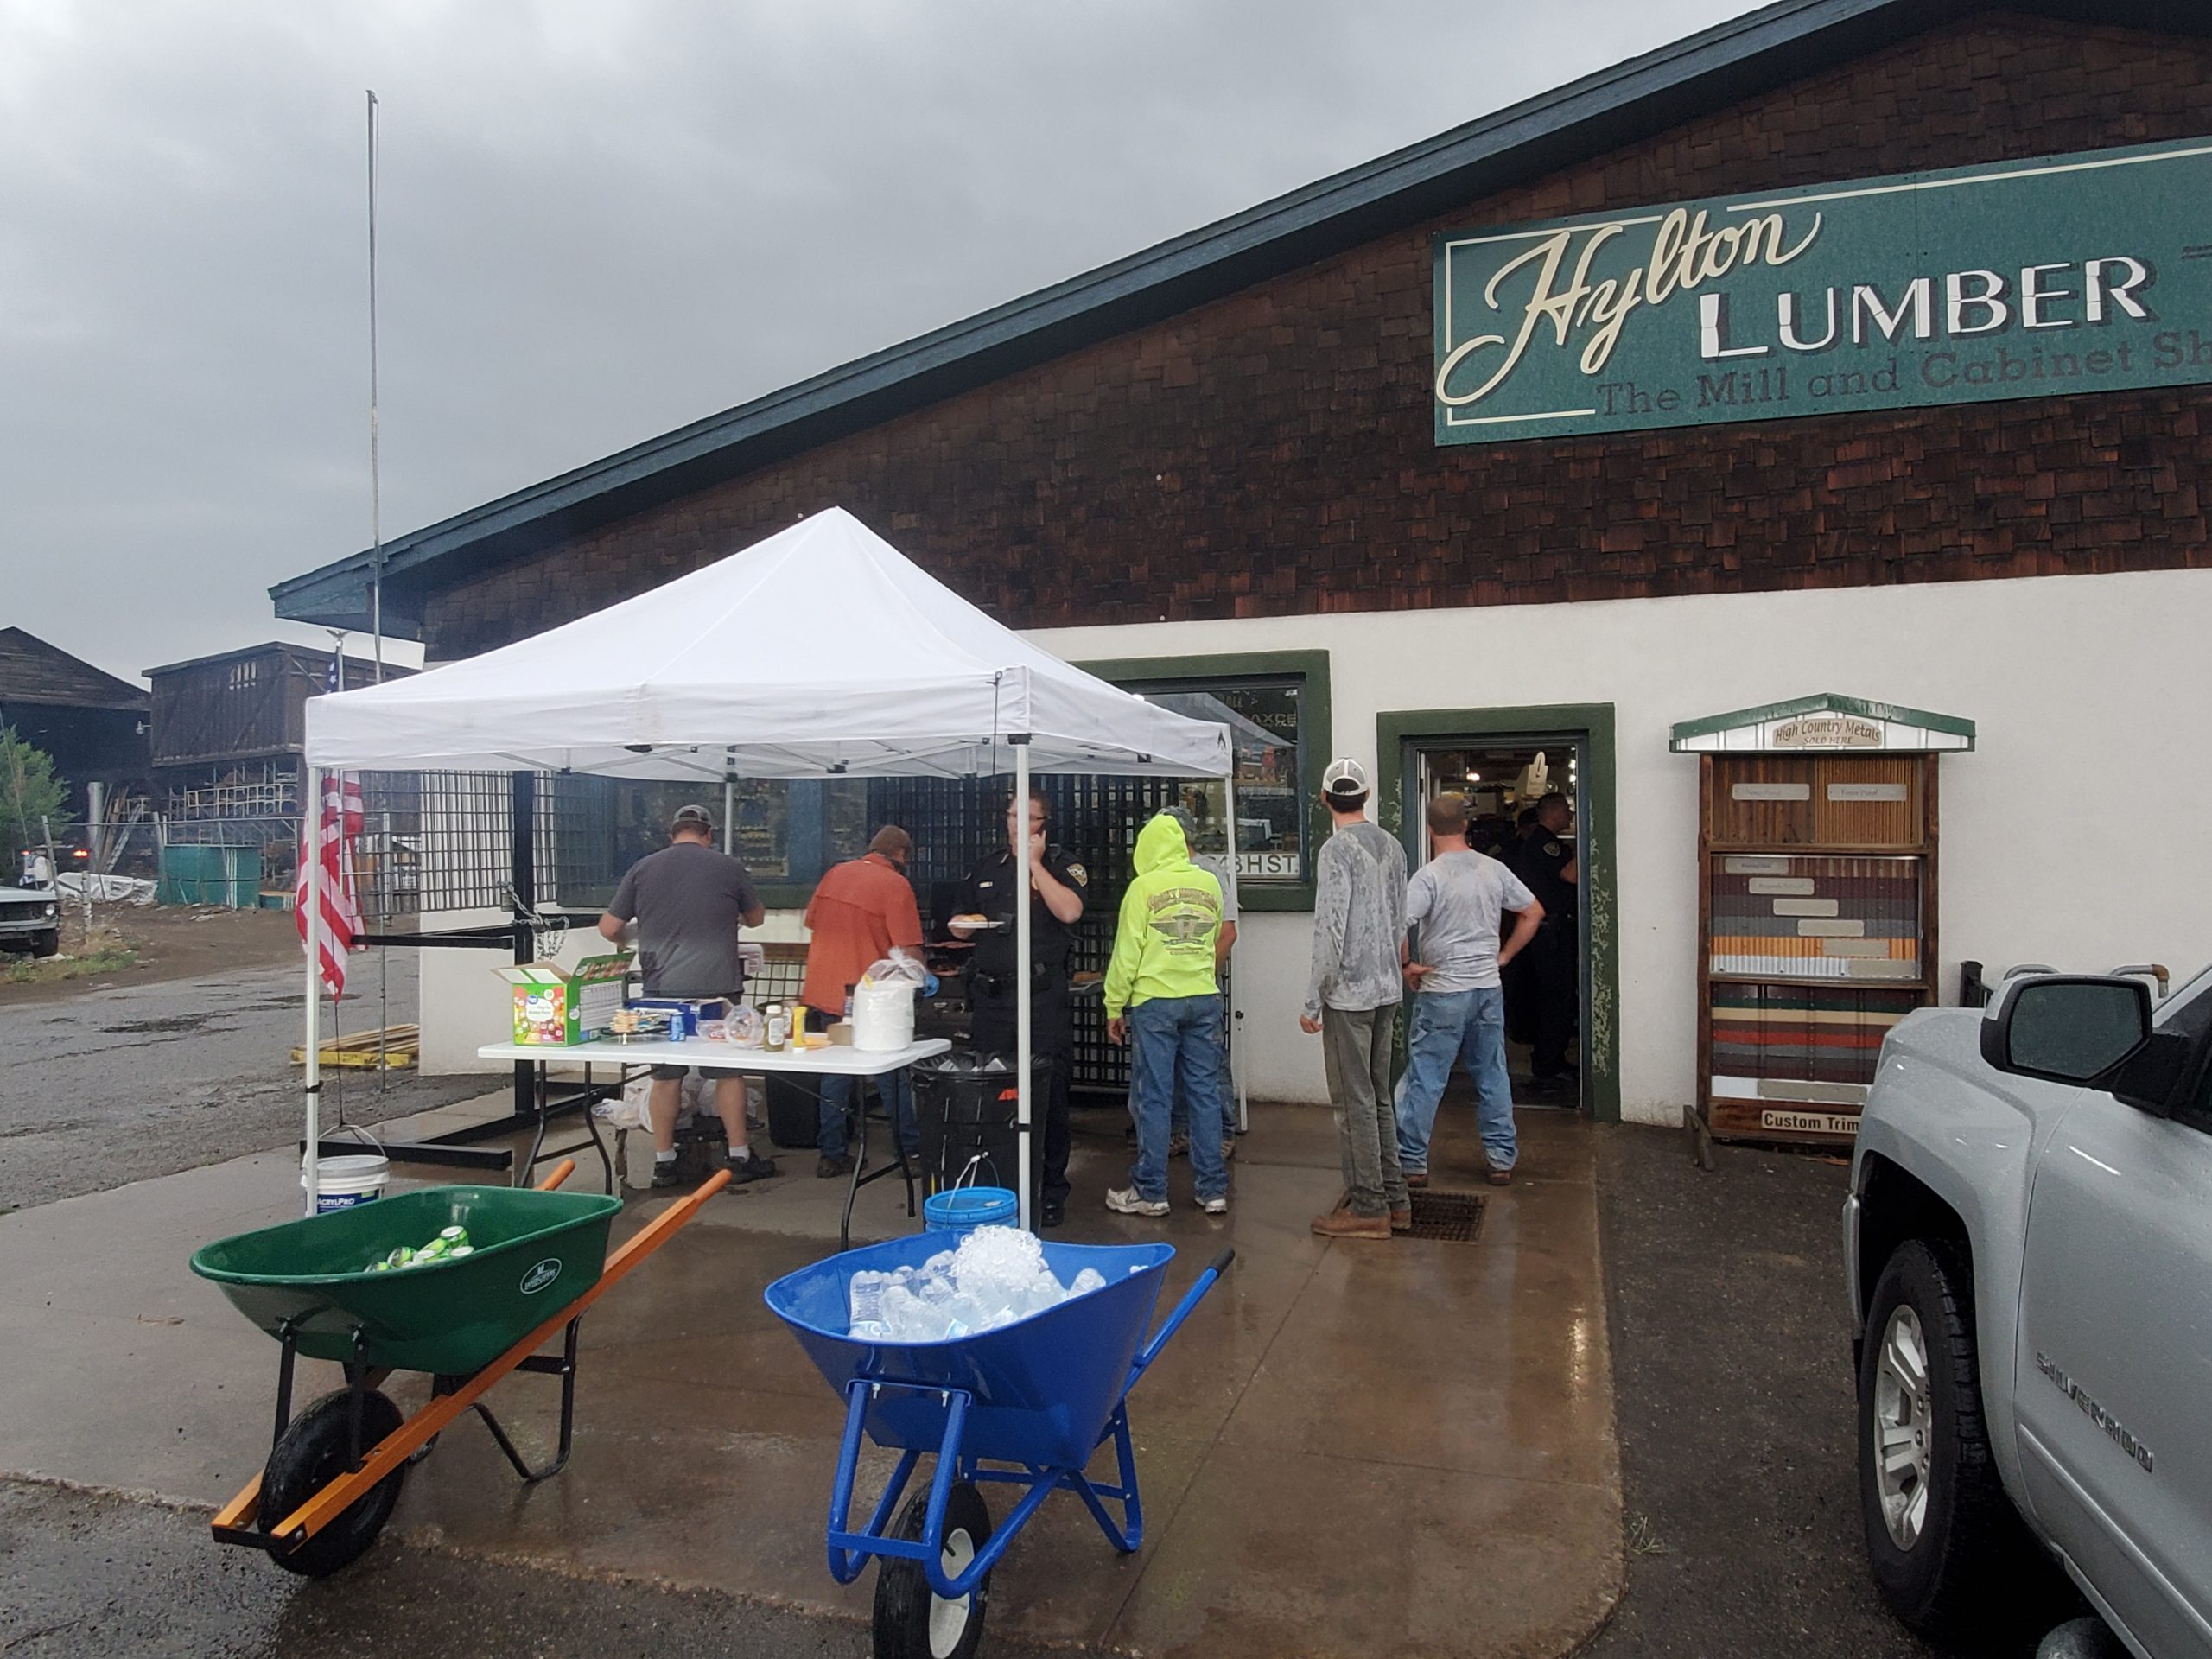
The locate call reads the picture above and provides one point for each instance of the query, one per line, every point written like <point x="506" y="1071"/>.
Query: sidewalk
<point x="1352" y="1448"/>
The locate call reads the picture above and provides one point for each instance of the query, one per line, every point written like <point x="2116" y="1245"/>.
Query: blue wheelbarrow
<point x="1026" y="1405"/>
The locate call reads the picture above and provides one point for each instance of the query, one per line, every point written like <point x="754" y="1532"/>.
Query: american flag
<point x="339" y="821"/>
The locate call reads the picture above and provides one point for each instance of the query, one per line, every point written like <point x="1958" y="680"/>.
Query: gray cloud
<point x="599" y="220"/>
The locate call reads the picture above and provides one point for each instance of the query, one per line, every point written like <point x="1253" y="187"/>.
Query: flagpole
<point x="375" y="491"/>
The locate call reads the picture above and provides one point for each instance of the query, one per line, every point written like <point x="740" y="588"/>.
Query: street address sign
<point x="2064" y="273"/>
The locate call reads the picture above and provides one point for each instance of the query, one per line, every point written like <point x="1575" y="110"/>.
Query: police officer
<point x="1547" y="866"/>
<point x="1056" y="888"/>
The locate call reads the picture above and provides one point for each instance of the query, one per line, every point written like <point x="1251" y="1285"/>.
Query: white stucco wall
<point x="2072" y="836"/>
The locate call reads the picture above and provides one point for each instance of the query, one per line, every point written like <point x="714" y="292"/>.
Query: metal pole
<point x="376" y="495"/>
<point x="1235" y="1071"/>
<point x="729" y="803"/>
<point x="311" y="850"/>
<point x="1021" y="959"/>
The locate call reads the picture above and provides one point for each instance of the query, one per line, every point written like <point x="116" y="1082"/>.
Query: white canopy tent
<point x="821" y="651"/>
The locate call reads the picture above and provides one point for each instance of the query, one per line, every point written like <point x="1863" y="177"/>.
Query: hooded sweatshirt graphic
<point x="1170" y="920"/>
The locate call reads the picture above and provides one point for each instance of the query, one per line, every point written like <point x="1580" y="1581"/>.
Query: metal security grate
<point x="1449" y="1218"/>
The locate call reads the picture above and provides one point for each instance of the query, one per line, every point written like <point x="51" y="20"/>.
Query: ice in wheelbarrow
<point x="996" y="1276"/>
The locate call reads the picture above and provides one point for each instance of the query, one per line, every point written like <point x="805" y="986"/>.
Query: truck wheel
<point x="1944" y="1541"/>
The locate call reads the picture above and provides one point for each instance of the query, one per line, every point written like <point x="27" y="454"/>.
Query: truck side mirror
<point x="2066" y="1028"/>
<point x="2151" y="1079"/>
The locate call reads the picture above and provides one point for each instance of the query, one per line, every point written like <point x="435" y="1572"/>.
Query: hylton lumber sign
<point x="2064" y="273"/>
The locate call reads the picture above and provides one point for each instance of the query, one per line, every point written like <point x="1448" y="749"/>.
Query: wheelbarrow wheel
<point x="313" y="1453"/>
<point x="912" y="1620"/>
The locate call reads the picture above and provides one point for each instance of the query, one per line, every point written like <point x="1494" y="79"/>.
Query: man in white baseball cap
<point x="1352" y="994"/>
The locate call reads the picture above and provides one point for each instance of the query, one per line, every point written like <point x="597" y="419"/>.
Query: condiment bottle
<point x="779" y="1027"/>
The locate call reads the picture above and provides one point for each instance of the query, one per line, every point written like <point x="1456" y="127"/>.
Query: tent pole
<point x="1235" y="1071"/>
<point x="311" y="850"/>
<point x="1023" y="1104"/>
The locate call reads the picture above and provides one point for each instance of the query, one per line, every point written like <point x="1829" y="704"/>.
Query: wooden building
<point x="93" y="724"/>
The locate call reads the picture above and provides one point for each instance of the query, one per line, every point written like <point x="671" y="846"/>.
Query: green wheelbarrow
<point x="538" y="1259"/>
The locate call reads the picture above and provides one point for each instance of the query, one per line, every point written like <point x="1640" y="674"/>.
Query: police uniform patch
<point x="1077" y="874"/>
<point x="1551" y="849"/>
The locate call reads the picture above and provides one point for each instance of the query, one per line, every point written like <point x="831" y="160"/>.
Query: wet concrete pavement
<point x="123" y="1083"/>
<point x="1335" y="1439"/>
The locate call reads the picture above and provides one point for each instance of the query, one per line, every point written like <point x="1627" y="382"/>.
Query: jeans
<point x="1469" y="1026"/>
<point x="1356" y="1052"/>
<point x="1179" y="1123"/>
<point x="897" y="1089"/>
<point x="1176" y="1041"/>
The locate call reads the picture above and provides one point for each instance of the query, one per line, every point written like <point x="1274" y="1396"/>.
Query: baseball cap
<point x="1345" y="777"/>
<point x="694" y="814"/>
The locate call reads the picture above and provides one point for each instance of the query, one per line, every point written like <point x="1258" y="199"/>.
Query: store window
<point x="1266" y="718"/>
<point x="787" y="831"/>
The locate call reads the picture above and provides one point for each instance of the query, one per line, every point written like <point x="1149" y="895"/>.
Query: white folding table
<point x="821" y="1060"/>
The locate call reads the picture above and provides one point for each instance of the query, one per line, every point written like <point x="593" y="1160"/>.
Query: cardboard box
<point x="554" y="1004"/>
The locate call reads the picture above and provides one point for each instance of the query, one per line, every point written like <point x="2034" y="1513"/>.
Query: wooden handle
<point x="560" y="1172"/>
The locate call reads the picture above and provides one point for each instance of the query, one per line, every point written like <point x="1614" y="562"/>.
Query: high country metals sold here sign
<point x="2028" y="279"/>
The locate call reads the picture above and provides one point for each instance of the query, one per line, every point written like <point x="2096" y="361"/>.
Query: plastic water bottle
<point x="864" y="1300"/>
<point x="1086" y="1282"/>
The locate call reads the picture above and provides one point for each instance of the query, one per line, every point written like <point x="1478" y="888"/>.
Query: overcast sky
<point x="598" y="220"/>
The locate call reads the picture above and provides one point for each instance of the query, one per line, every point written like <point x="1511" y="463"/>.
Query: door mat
<point x="1450" y="1217"/>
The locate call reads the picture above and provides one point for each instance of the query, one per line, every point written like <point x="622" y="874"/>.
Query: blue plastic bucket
<point x="966" y="1208"/>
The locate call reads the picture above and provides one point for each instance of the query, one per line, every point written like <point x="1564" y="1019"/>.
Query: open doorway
<point x="1522" y="796"/>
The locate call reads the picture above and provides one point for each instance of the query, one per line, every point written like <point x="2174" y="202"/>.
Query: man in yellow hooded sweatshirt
<point x="1161" y="998"/>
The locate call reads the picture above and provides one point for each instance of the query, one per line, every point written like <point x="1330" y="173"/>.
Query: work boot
<point x="1416" y="1178"/>
<point x="1497" y="1177"/>
<point x="1402" y="1221"/>
<point x="1349" y="1223"/>
<point x="827" y="1168"/>
<point x="750" y="1167"/>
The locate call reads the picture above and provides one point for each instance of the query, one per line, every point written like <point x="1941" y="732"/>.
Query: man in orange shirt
<point x="862" y="911"/>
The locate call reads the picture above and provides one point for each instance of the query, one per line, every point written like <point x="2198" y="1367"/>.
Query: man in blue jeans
<point x="1163" y="998"/>
<point x="1456" y="901"/>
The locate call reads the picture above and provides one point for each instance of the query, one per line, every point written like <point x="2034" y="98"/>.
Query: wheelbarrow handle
<point x="1192" y="1297"/>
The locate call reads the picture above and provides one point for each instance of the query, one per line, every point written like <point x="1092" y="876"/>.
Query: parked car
<point x="2028" y="1243"/>
<point x="30" y="920"/>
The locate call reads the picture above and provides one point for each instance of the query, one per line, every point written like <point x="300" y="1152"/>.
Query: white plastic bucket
<point x="883" y="1017"/>
<point x="348" y="1181"/>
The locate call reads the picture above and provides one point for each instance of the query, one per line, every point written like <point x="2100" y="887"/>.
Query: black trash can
<point x="794" y="1111"/>
<point x="967" y="1107"/>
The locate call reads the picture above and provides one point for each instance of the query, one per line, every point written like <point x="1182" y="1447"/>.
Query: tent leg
<point x="311" y="850"/>
<point x="1235" y="1071"/>
<point x="1023" y="1104"/>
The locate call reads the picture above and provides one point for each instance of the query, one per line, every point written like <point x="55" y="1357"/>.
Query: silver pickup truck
<point x="2028" y="1243"/>
<point x="30" y="920"/>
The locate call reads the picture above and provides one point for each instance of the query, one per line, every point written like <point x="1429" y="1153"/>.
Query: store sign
<point x="1809" y="1122"/>
<point x="2064" y="273"/>
<point x="1827" y="732"/>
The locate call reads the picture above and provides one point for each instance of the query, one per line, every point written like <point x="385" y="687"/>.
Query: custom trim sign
<point x="2064" y="273"/>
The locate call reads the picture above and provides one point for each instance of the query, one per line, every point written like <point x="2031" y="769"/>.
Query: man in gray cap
<point x="1353" y="993"/>
<point x="687" y="901"/>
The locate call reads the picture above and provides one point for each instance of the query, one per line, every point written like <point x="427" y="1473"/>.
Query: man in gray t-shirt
<point x="1456" y="901"/>
<point x="689" y="901"/>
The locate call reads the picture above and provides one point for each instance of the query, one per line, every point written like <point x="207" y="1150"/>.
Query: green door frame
<point x="1590" y="724"/>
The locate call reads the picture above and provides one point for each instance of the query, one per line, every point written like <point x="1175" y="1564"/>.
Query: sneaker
<point x="1214" y="1206"/>
<point x="1124" y="1201"/>
<point x="751" y="1168"/>
<point x="1416" y="1178"/>
<point x="1402" y="1221"/>
<point x="827" y="1168"/>
<point x="1347" y="1224"/>
<point x="665" y="1174"/>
